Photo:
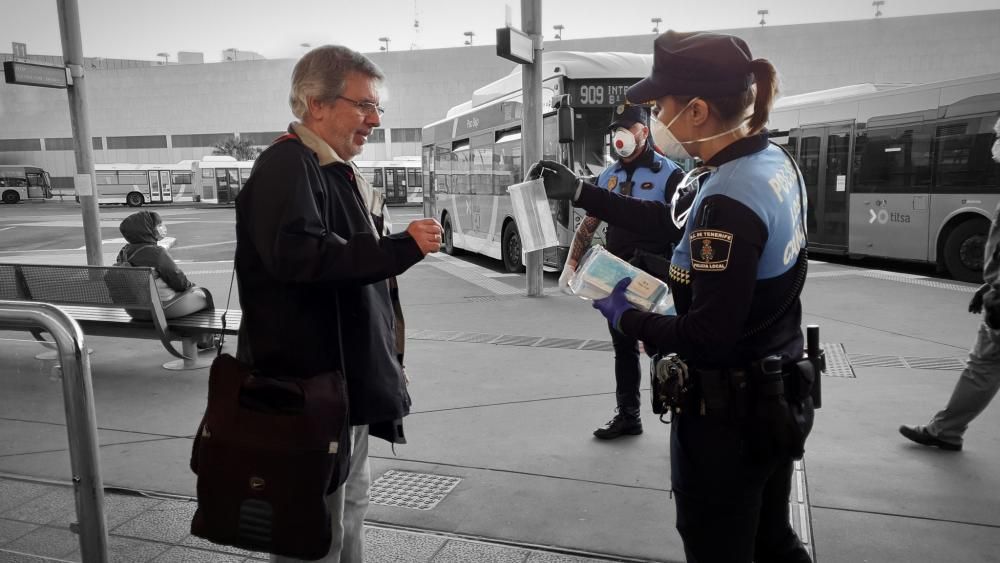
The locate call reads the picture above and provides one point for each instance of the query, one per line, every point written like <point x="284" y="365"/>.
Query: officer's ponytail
<point x="765" y="79"/>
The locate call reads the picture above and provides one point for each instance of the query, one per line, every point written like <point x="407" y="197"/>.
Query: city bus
<point x="470" y="157"/>
<point x="400" y="179"/>
<point x="898" y="172"/>
<point x="138" y="184"/>
<point x="19" y="182"/>
<point x="220" y="178"/>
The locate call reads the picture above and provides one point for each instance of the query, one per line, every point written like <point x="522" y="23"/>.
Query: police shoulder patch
<point x="710" y="250"/>
<point x="612" y="182"/>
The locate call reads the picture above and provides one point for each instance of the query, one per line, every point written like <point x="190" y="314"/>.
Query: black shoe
<point x="920" y="435"/>
<point x="621" y="425"/>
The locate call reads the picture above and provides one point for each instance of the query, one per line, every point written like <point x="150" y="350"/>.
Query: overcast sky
<point x="139" y="29"/>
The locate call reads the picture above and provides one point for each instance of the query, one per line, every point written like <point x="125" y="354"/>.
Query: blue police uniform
<point x="651" y="177"/>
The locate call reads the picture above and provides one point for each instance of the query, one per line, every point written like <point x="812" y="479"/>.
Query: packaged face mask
<point x="599" y="271"/>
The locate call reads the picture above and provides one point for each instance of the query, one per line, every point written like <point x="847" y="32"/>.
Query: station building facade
<point x="146" y="113"/>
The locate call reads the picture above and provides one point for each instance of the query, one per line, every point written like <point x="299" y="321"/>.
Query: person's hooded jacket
<point x="139" y="229"/>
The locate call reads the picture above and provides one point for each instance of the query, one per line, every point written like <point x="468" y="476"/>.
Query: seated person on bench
<point x="178" y="295"/>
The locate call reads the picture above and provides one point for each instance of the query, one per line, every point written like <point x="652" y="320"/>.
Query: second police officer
<point x="736" y="277"/>
<point x="644" y="174"/>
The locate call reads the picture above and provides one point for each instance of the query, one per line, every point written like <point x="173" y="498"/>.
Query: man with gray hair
<point x="316" y="269"/>
<point x="980" y="380"/>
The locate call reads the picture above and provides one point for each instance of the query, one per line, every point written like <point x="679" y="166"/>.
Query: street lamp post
<point x="384" y="47"/>
<point x="470" y="35"/>
<point x="656" y="24"/>
<point x="559" y="29"/>
<point x="762" y="13"/>
<point x="877" y="4"/>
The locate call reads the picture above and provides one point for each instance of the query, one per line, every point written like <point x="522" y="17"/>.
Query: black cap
<point x="695" y="64"/>
<point x="627" y="115"/>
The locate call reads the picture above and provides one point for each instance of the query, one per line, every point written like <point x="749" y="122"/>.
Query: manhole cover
<point x="420" y="491"/>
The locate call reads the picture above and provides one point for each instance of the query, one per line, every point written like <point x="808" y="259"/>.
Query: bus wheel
<point x="964" y="250"/>
<point x="10" y="196"/>
<point x="448" y="244"/>
<point x="511" y="249"/>
<point x="134" y="199"/>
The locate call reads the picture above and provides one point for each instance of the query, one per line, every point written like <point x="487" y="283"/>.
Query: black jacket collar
<point x="739" y="149"/>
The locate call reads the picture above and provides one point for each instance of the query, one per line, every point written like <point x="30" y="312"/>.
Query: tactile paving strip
<point x="837" y="363"/>
<point x="419" y="491"/>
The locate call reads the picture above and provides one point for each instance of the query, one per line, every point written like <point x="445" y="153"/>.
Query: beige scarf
<point x="373" y="199"/>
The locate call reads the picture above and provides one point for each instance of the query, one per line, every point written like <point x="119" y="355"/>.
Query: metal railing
<point x="81" y="420"/>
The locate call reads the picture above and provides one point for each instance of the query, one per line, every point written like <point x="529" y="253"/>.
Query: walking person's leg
<point x="627" y="376"/>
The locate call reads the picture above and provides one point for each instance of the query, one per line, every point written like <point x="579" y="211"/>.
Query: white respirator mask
<point x="623" y="142"/>
<point x="668" y="143"/>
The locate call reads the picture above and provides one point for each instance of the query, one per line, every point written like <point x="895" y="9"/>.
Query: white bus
<point x="400" y="180"/>
<point x="221" y="178"/>
<point x="19" y="182"/>
<point x="472" y="155"/>
<point x="900" y="172"/>
<point x="138" y="184"/>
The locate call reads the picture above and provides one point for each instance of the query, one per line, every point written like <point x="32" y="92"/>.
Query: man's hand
<point x="976" y="304"/>
<point x="427" y="234"/>
<point x="614" y="305"/>
<point x="560" y="182"/>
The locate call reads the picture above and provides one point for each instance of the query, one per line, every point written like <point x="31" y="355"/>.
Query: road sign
<point x="30" y="74"/>
<point x="515" y="46"/>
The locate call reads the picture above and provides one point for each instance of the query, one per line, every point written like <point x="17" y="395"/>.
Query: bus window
<point x="35" y="180"/>
<point x="442" y="169"/>
<point x="138" y="178"/>
<point x="893" y="160"/>
<point x="481" y="157"/>
<point x="507" y="154"/>
<point x="550" y="137"/>
<point x="107" y="178"/>
<point x="377" y="180"/>
<point x="413" y="178"/>
<point x="460" y="167"/>
<point x="964" y="161"/>
<point x="180" y="177"/>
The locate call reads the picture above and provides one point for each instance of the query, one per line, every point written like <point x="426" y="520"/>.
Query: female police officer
<point x="736" y="276"/>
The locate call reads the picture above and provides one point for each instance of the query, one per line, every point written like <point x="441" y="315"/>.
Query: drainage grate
<point x="513" y="340"/>
<point x="954" y="364"/>
<point x="837" y="364"/>
<point x="420" y="491"/>
<point x="567" y="343"/>
<point x="597" y="345"/>
<point x="473" y="337"/>
<point x="877" y="361"/>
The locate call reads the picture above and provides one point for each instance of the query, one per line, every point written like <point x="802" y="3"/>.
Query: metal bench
<point x="99" y="298"/>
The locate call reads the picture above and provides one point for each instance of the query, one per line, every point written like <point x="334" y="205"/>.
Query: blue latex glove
<point x="615" y="304"/>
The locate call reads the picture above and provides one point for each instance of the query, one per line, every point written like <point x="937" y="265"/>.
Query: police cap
<point x="695" y="64"/>
<point x="627" y="115"/>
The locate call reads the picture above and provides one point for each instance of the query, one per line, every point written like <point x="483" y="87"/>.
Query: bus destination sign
<point x="30" y="74"/>
<point x="598" y="93"/>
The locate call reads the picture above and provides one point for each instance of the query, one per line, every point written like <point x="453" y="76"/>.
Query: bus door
<point x="824" y="158"/>
<point x="154" y="186"/>
<point x="227" y="184"/>
<point x="395" y="185"/>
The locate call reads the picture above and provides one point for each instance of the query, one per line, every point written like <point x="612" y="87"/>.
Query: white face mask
<point x="623" y="142"/>
<point x="668" y="143"/>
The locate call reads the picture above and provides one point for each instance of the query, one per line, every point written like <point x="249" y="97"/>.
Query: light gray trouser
<point x="975" y="388"/>
<point x="348" y="506"/>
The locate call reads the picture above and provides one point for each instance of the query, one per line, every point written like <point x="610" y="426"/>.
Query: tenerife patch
<point x="710" y="250"/>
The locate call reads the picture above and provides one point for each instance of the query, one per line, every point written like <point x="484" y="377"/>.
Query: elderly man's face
<point x="342" y="122"/>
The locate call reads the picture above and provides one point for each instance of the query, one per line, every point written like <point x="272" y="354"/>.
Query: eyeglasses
<point x="688" y="183"/>
<point x="367" y="108"/>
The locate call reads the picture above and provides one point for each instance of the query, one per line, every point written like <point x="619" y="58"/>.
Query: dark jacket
<point x="305" y="245"/>
<point x="139" y="229"/>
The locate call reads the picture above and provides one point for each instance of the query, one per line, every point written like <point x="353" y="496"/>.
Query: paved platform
<point x="507" y="390"/>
